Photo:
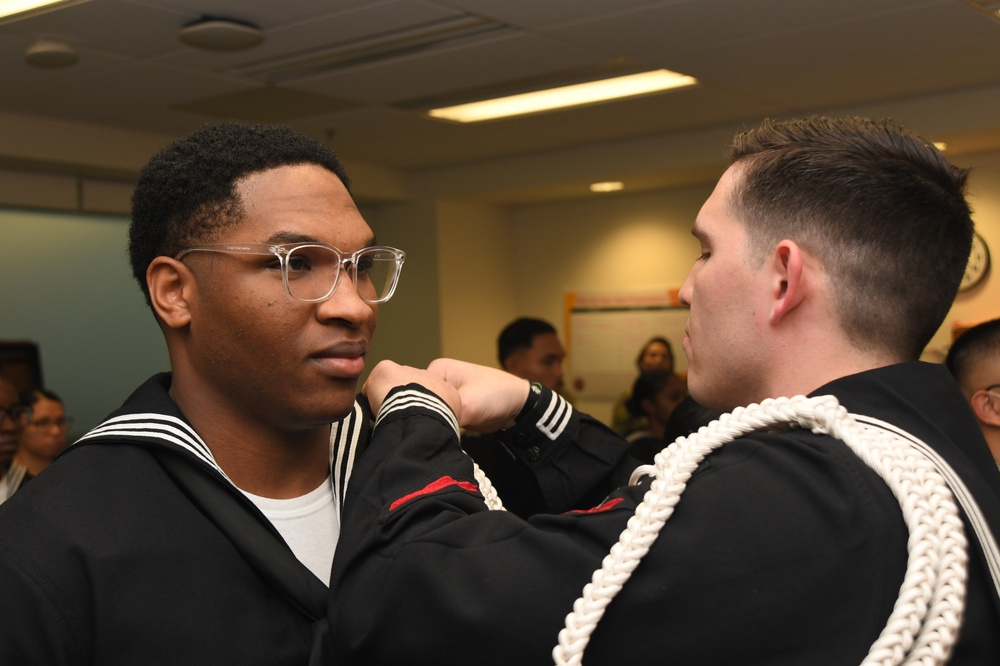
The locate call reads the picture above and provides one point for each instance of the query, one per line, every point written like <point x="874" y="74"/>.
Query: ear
<point x="171" y="286"/>
<point x="789" y="285"/>
<point x="985" y="407"/>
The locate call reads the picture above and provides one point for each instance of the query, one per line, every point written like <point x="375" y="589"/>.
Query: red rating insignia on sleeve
<point x="433" y="487"/>
<point x="604" y="506"/>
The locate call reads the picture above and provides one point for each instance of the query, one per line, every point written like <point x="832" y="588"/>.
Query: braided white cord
<point x="487" y="488"/>
<point x="924" y="624"/>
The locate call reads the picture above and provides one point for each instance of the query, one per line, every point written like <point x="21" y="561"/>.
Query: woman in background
<point x="655" y="395"/>
<point x="656" y="354"/>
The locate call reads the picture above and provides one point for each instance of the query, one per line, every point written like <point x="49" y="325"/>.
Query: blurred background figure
<point x="11" y="413"/>
<point x="688" y="417"/>
<point x="655" y="396"/>
<point x="43" y="436"/>
<point x="530" y="348"/>
<point x="656" y="354"/>
<point x="974" y="362"/>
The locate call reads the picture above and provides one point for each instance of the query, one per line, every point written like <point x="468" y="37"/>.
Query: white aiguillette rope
<point x="924" y="623"/>
<point x="487" y="489"/>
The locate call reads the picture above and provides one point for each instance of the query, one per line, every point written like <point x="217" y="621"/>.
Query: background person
<point x="11" y="412"/>
<point x="43" y="436"/>
<point x="656" y="354"/>
<point x="530" y="349"/>
<point x="781" y="534"/>
<point x="974" y="361"/>
<point x="655" y="395"/>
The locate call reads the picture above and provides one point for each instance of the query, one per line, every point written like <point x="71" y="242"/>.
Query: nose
<point x="345" y="303"/>
<point x="684" y="295"/>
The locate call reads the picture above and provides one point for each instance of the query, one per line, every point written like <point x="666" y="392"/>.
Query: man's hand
<point x="490" y="398"/>
<point x="387" y="375"/>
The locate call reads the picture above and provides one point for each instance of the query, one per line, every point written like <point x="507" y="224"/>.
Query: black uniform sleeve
<point x="576" y="459"/>
<point x="756" y="565"/>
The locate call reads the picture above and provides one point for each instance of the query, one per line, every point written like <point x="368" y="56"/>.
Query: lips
<point x="343" y="360"/>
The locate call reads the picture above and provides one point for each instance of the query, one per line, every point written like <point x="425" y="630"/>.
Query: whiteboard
<point x="604" y="344"/>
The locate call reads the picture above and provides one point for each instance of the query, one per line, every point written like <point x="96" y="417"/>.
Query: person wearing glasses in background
<point x="974" y="361"/>
<point x="197" y="524"/>
<point x="43" y="436"/>
<point x="11" y="413"/>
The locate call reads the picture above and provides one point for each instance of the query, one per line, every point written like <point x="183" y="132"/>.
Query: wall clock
<point x="979" y="264"/>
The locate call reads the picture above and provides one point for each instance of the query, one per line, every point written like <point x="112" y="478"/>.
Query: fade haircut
<point x="520" y="334"/>
<point x="187" y="194"/>
<point x="971" y="349"/>
<point x="878" y="205"/>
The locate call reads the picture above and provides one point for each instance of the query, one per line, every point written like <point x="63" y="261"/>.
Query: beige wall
<point x="476" y="269"/>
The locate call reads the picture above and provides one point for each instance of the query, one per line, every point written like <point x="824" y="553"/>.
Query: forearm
<point x="576" y="459"/>
<point x="420" y="547"/>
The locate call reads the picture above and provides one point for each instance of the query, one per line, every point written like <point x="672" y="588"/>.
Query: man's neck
<point x="993" y="441"/>
<point x="258" y="457"/>
<point x="33" y="464"/>
<point x="811" y="359"/>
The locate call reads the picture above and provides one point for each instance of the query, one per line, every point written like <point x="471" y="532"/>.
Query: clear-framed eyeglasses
<point x="310" y="271"/>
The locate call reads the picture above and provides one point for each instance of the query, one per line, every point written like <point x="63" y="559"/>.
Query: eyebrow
<point x="283" y="237"/>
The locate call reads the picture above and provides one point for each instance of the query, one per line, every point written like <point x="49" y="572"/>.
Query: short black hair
<point x="971" y="348"/>
<point x="520" y="334"/>
<point x="32" y="396"/>
<point x="187" y="194"/>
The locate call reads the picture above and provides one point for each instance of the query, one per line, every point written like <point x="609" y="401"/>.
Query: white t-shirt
<point x="309" y="524"/>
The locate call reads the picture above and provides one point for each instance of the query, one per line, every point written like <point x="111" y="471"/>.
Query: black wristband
<point x="534" y="395"/>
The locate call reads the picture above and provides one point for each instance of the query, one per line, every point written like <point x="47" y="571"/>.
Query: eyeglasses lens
<point x="312" y="271"/>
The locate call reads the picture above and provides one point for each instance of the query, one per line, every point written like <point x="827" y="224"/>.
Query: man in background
<point x="11" y="412"/>
<point x="530" y="349"/>
<point x="974" y="361"/>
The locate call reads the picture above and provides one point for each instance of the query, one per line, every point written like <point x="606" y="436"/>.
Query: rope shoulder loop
<point x="924" y="624"/>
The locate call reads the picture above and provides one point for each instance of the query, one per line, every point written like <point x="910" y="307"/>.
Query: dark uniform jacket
<point x="785" y="548"/>
<point x="134" y="548"/>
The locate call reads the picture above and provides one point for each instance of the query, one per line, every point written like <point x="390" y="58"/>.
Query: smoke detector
<point x="50" y="54"/>
<point x="217" y="34"/>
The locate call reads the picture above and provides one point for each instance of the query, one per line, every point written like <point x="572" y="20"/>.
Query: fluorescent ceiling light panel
<point x="11" y="7"/>
<point x="566" y="96"/>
